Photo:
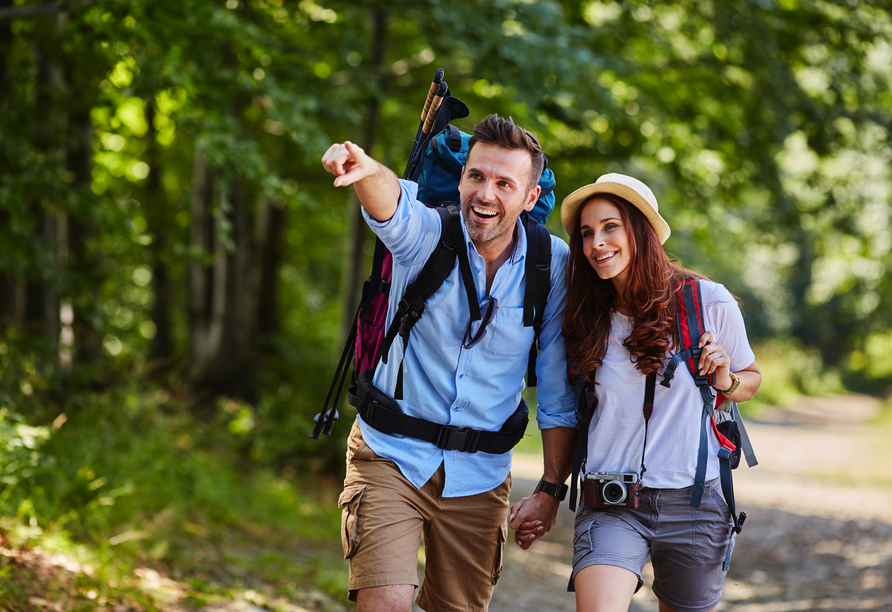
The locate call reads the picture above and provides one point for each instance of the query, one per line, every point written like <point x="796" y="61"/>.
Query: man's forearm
<point x="558" y="449"/>
<point x="379" y="193"/>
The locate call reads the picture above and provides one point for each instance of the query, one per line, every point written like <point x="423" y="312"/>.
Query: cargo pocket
<point x="349" y="503"/>
<point x="497" y="565"/>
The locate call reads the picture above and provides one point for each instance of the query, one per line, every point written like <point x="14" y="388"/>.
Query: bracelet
<point x="559" y="492"/>
<point x="735" y="382"/>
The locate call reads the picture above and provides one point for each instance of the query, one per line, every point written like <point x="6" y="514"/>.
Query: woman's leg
<point x="665" y="608"/>
<point x="604" y="588"/>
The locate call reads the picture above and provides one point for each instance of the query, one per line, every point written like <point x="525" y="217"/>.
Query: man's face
<point x="494" y="191"/>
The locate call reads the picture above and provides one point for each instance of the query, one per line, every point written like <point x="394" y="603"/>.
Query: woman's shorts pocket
<point x="711" y="527"/>
<point x="350" y="503"/>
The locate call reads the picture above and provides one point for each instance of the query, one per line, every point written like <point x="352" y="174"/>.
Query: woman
<point x="620" y="326"/>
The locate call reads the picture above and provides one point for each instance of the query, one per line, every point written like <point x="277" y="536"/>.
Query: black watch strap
<point x="555" y="490"/>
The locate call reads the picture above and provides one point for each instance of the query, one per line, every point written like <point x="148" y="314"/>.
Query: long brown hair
<point x="648" y="294"/>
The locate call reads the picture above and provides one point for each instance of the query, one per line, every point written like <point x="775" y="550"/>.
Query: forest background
<point x="177" y="272"/>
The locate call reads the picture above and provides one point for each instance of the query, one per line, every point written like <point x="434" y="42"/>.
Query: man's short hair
<point x="503" y="133"/>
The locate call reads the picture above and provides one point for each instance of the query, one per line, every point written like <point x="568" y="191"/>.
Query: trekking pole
<point x="414" y="161"/>
<point x="435" y="108"/>
<point x="435" y="86"/>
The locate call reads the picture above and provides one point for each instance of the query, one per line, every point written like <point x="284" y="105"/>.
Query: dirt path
<point x="819" y="532"/>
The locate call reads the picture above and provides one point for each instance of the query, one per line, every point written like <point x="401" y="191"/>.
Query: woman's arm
<point x="714" y="360"/>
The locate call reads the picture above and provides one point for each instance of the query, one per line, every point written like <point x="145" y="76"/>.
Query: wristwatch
<point x="735" y="382"/>
<point x="559" y="492"/>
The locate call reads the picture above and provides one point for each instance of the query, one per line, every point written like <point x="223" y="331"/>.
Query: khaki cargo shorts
<point x="384" y="518"/>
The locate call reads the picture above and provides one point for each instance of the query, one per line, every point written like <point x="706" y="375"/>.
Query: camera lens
<point x="613" y="492"/>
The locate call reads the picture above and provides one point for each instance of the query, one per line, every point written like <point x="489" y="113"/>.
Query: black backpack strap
<point x="586" y="403"/>
<point x="438" y="266"/>
<point x="464" y="262"/>
<point x="454" y="139"/>
<point x="538" y="285"/>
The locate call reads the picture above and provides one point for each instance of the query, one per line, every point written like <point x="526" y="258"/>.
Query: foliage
<point x="127" y="487"/>
<point x="762" y="127"/>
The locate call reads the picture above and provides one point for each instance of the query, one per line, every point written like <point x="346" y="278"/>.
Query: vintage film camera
<point x="611" y="490"/>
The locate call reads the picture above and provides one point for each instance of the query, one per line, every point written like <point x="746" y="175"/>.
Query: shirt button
<point x="477" y="270"/>
<point x="456" y="409"/>
<point x="461" y="375"/>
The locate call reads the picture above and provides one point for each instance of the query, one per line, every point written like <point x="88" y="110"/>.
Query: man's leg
<point x="382" y="521"/>
<point x="392" y="598"/>
<point x="463" y="543"/>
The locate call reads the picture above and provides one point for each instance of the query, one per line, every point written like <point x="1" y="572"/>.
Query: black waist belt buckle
<point x="458" y="438"/>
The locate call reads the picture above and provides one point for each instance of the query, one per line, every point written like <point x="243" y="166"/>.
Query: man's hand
<point x="377" y="188"/>
<point x="349" y="163"/>
<point x="532" y="517"/>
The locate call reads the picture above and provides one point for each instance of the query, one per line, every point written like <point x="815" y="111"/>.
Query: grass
<point x="129" y="501"/>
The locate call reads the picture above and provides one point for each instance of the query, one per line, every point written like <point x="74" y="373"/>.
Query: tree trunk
<point x="354" y="267"/>
<point x="270" y="232"/>
<point x="8" y="284"/>
<point x="83" y="248"/>
<point x="40" y="308"/>
<point x="222" y="293"/>
<point x="201" y="277"/>
<point x="37" y="303"/>
<point x="161" y="347"/>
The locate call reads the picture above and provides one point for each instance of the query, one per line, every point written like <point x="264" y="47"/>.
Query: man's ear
<point x="532" y="198"/>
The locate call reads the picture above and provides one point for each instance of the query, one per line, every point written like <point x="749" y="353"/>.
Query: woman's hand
<point x="714" y="360"/>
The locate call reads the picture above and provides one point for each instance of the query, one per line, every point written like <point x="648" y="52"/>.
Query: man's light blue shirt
<point x="478" y="388"/>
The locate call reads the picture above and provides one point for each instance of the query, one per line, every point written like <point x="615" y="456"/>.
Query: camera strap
<point x="649" y="386"/>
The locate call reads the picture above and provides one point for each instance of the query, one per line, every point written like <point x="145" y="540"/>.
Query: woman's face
<point x="605" y="241"/>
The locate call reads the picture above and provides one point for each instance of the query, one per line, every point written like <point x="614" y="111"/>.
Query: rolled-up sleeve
<point x="412" y="232"/>
<point x="556" y="407"/>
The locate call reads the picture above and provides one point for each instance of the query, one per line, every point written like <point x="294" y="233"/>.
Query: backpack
<point x="441" y="168"/>
<point x="719" y="415"/>
<point x="435" y="165"/>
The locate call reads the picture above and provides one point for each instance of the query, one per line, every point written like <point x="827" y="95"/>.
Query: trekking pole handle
<point x="435" y="106"/>
<point x="435" y="85"/>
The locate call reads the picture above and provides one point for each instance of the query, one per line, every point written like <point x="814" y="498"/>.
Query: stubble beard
<point x="479" y="235"/>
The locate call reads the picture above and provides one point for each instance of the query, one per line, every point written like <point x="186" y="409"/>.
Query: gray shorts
<point x="687" y="545"/>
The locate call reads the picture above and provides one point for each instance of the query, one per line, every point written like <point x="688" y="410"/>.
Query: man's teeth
<point x="485" y="213"/>
<point x="604" y="256"/>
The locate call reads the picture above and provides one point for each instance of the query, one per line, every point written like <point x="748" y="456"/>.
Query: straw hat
<point x="625" y="187"/>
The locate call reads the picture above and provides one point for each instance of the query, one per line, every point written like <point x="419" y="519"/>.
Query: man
<point x="399" y="488"/>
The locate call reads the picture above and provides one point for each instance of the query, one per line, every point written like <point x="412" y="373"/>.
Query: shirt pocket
<point x="508" y="335"/>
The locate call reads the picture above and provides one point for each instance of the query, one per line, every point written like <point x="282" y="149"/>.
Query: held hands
<point x="349" y="163"/>
<point x="532" y="517"/>
<point x="714" y="360"/>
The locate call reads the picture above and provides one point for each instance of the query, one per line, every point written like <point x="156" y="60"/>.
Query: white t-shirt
<point x="616" y="433"/>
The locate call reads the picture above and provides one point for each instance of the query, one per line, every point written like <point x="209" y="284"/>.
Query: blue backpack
<point x="441" y="167"/>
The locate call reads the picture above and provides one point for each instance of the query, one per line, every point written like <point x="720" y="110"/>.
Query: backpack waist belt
<point x="383" y="413"/>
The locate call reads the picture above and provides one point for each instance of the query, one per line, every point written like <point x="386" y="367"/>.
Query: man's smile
<point x="484" y="212"/>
